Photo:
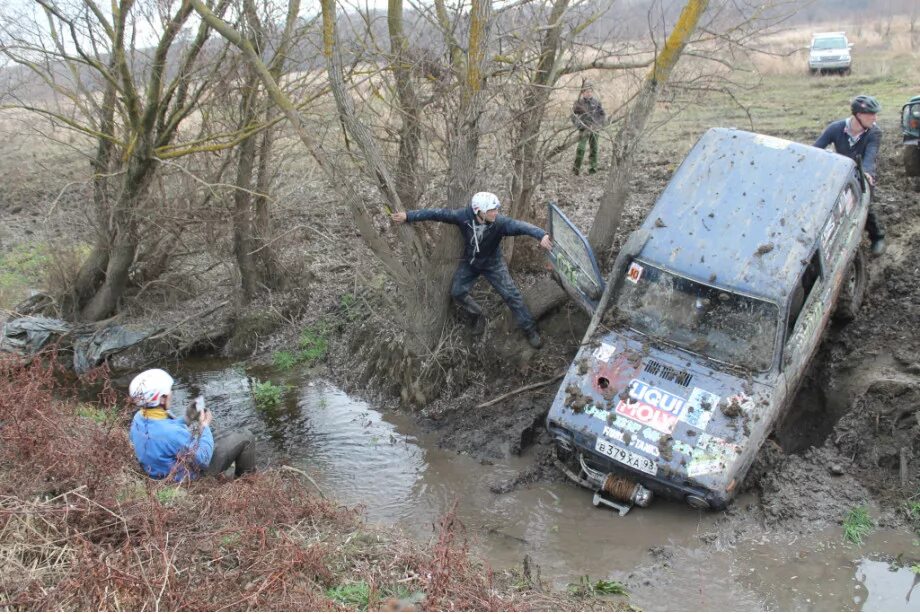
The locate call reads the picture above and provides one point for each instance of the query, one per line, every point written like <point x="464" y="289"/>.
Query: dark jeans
<point x="874" y="225"/>
<point x="498" y="275"/>
<point x="233" y="447"/>
<point x="589" y="137"/>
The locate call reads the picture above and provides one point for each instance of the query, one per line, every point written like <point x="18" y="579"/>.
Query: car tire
<point x="812" y="71"/>
<point x="854" y="288"/>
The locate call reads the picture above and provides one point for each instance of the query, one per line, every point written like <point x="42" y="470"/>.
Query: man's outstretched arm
<point x="448" y="216"/>
<point x="514" y="227"/>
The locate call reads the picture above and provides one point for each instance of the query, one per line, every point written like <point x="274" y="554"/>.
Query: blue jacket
<point x="159" y="443"/>
<point x="483" y="251"/>
<point x="867" y="145"/>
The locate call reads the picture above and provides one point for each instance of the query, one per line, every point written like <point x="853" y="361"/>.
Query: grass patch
<point x="353" y="594"/>
<point x="169" y="494"/>
<point x="267" y="395"/>
<point x="586" y="588"/>
<point x="99" y="415"/>
<point x="21" y="268"/>
<point x="313" y="343"/>
<point x="915" y="568"/>
<point x="857" y="525"/>
<point x="284" y="361"/>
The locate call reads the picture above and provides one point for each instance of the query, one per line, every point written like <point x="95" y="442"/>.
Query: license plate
<point x="626" y="457"/>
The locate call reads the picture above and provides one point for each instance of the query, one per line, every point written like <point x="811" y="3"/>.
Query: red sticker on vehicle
<point x="634" y="274"/>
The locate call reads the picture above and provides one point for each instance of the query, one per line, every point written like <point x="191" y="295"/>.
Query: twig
<point x="556" y="377"/>
<point x="304" y="474"/>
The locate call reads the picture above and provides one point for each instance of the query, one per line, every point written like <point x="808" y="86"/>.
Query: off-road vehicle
<point x="717" y="305"/>
<point x="830" y="52"/>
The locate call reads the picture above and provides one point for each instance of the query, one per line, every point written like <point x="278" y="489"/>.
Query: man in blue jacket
<point x="483" y="229"/>
<point x="164" y="444"/>
<point x="858" y="137"/>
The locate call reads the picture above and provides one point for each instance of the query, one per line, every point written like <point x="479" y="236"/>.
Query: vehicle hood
<point x="699" y="422"/>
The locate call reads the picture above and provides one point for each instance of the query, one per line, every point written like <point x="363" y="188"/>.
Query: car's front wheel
<point x="854" y="288"/>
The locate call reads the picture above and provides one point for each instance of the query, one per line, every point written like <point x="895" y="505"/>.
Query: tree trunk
<point x="410" y="131"/>
<point x="527" y="163"/>
<point x="242" y="197"/>
<point x="607" y="221"/>
<point x="92" y="271"/>
<point x="262" y="221"/>
<point x="124" y="244"/>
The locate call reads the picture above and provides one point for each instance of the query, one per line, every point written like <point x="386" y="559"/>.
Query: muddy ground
<point x="841" y="445"/>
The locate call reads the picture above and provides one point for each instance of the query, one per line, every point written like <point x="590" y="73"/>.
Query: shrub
<point x="267" y="395"/>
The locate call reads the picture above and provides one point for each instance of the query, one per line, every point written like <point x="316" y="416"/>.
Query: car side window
<point x="803" y="289"/>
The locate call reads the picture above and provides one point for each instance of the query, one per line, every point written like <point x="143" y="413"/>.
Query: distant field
<point x="782" y="98"/>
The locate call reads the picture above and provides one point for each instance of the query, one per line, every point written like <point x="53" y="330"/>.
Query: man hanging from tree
<point x="483" y="229"/>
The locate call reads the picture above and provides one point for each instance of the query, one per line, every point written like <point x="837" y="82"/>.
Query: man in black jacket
<point x="858" y="137"/>
<point x="483" y="229"/>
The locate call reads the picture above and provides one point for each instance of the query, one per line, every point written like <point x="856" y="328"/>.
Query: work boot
<point x="576" y="170"/>
<point x="878" y="247"/>
<point x="592" y="171"/>
<point x="533" y="338"/>
<point x="479" y="326"/>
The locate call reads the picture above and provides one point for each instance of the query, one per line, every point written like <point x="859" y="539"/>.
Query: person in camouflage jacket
<point x="589" y="117"/>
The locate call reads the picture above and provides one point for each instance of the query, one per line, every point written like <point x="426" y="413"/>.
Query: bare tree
<point x="147" y="94"/>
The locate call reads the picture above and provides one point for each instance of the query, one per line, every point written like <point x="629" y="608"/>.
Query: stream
<point x="669" y="555"/>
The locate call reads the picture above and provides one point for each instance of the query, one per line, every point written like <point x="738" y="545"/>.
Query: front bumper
<point x="829" y="64"/>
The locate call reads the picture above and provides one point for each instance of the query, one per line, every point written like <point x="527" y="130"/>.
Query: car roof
<point x="746" y="208"/>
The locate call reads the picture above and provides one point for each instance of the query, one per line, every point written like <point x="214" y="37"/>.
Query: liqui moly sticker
<point x="698" y="410"/>
<point x="604" y="352"/>
<point x="634" y="274"/>
<point x="651" y="406"/>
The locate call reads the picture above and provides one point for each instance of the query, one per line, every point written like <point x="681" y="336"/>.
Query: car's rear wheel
<point x="854" y="288"/>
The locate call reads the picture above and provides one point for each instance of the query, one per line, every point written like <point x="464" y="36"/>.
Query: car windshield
<point x="836" y="42"/>
<point x="716" y="323"/>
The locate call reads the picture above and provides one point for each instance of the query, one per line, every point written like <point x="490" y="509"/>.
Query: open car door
<point x="574" y="265"/>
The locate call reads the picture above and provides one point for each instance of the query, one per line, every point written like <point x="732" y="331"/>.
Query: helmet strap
<point x="859" y="121"/>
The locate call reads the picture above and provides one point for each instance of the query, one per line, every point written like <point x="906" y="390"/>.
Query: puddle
<point x="398" y="475"/>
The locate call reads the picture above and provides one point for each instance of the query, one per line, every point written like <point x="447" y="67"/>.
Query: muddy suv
<point x="717" y="304"/>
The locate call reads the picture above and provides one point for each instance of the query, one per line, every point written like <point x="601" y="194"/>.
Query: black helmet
<point x="865" y="104"/>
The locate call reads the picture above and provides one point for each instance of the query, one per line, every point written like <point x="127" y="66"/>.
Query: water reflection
<point x="887" y="587"/>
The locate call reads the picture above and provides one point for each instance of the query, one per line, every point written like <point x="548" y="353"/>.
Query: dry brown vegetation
<point x="81" y="529"/>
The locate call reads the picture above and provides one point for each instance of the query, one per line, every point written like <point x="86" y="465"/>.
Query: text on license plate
<point x="626" y="457"/>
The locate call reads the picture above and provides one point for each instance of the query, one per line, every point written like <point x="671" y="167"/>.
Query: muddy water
<point x="669" y="555"/>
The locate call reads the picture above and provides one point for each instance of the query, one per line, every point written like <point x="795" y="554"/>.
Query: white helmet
<point x="484" y="201"/>
<point x="148" y="388"/>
